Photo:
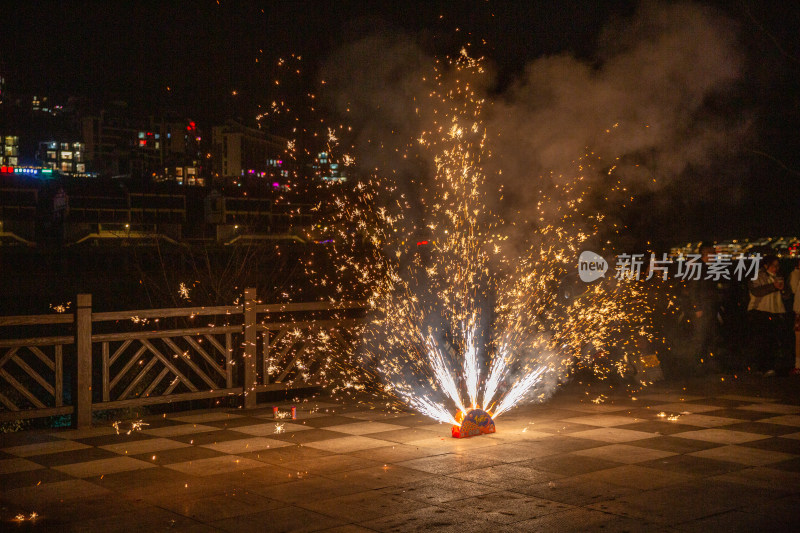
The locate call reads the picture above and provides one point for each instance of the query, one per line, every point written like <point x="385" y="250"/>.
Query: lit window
<point x="66" y="155"/>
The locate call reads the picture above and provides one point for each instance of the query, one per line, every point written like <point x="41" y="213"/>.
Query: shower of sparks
<point x="60" y="308"/>
<point x="465" y="313"/>
<point x="183" y="291"/>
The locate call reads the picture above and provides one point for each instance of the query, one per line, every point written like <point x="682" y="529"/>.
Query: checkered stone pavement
<point x="665" y="461"/>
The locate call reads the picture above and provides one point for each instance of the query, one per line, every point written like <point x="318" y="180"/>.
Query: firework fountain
<point x="469" y="318"/>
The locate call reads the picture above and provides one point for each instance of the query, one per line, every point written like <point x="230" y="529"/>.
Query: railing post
<point x="249" y="354"/>
<point x="82" y="394"/>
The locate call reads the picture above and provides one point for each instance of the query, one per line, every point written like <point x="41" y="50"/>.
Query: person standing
<point x="704" y="302"/>
<point x="766" y="312"/>
<point x="794" y="284"/>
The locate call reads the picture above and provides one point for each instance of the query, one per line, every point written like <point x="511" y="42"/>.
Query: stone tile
<point x="408" y="435"/>
<point x="85" y="433"/>
<point x="365" y="428"/>
<point x="602" y="420"/>
<point x="504" y="507"/>
<point x="670" y="397"/>
<point x="612" y="435"/>
<point x="674" y="444"/>
<point x="430" y="519"/>
<point x="210" y="437"/>
<point x="395" y="453"/>
<point x="721" y="436"/>
<point x="740" y="521"/>
<point x="377" y="415"/>
<point x="75" y="456"/>
<point x="270" y="428"/>
<point x="411" y="421"/>
<point x="706" y="421"/>
<point x="762" y="428"/>
<point x="378" y="477"/>
<point x="575" y="491"/>
<point x="215" y="465"/>
<point x="103" y="440"/>
<point x="739" y="414"/>
<point x="660" y="427"/>
<point x="508" y="453"/>
<point x="287" y="454"/>
<point x="17" y="464"/>
<point x="787" y="420"/>
<point x="769" y="407"/>
<point x="635" y="477"/>
<point x="68" y="490"/>
<point x="362" y="506"/>
<point x="692" y="465"/>
<point x="235" y="423"/>
<point x="681" y="503"/>
<point x="569" y="464"/>
<point x="721" y="402"/>
<point x="135" y="483"/>
<point x="559" y="427"/>
<point x="41" y="448"/>
<point x="144" y="446"/>
<point x="623" y="453"/>
<point x="747" y="399"/>
<point x="743" y="455"/>
<point x="328" y="421"/>
<point x="329" y="464"/>
<point x="439" y="489"/>
<point x="449" y="463"/>
<point x="558" y="444"/>
<point x="308" y="489"/>
<point x="681" y="408"/>
<point x="28" y="478"/>
<point x="763" y="477"/>
<point x="103" y="466"/>
<point x="791" y="465"/>
<point x="221" y="506"/>
<point x="506" y="475"/>
<point x="177" y="455"/>
<point x="347" y="444"/>
<point x="214" y="416"/>
<point x="253" y="444"/>
<point x="150" y="519"/>
<point x="776" y="444"/>
<point x="181" y="429"/>
<point x="283" y="519"/>
<point x="349" y="528"/>
<point x="18" y="438"/>
<point x="305" y="437"/>
<point x="795" y="436"/>
<point x="582" y="520"/>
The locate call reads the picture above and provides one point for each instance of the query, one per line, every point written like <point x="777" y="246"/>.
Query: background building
<point x="239" y="151"/>
<point x="66" y="157"/>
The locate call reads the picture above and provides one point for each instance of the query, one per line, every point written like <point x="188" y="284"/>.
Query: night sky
<point x="205" y="50"/>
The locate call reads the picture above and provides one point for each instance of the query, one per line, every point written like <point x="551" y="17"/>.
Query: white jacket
<point x="763" y="295"/>
<point x="794" y="284"/>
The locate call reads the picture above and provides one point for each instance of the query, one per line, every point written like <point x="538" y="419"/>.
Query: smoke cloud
<point x="650" y="104"/>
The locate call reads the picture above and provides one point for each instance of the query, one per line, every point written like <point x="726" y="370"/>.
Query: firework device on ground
<point x="475" y="422"/>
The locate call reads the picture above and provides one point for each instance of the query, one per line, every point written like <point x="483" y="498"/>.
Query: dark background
<point x="204" y="50"/>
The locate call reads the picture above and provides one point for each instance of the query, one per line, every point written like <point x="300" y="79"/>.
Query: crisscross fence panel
<point x="134" y="358"/>
<point x="32" y="369"/>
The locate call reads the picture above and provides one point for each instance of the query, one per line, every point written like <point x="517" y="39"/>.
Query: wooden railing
<point x="108" y="360"/>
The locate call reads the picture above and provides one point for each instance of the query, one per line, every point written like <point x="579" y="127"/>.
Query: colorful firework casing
<point x="476" y="422"/>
